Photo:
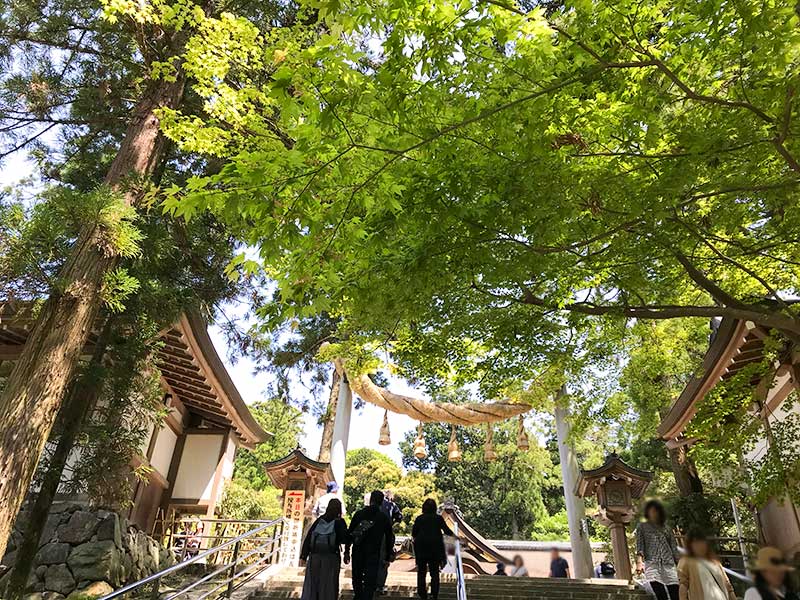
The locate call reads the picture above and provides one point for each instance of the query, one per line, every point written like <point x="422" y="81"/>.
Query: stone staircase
<point x="402" y="586"/>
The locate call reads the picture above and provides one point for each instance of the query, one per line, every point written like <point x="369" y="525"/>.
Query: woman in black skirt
<point x="429" y="551"/>
<point x="321" y="553"/>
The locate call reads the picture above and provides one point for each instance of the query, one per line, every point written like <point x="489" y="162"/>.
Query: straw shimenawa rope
<point x="473" y="413"/>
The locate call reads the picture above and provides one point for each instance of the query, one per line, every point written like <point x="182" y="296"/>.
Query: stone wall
<point x="85" y="553"/>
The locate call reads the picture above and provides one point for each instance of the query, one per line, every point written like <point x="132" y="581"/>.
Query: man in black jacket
<point x="368" y="529"/>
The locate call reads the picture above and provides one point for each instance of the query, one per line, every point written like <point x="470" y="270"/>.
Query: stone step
<point x="401" y="585"/>
<point x="448" y="592"/>
<point x="488" y="587"/>
<point x="445" y="595"/>
<point x="299" y="573"/>
<point x="487" y="580"/>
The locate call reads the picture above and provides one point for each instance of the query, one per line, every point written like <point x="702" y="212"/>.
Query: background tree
<point x="368" y="470"/>
<point x="250" y="495"/>
<point x="501" y="499"/>
<point x="285" y="423"/>
<point x="116" y="400"/>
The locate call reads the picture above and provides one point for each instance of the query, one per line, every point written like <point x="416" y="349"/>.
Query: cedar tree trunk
<point x="82" y="396"/>
<point x="36" y="386"/>
<point x="329" y="420"/>
<point x="686" y="477"/>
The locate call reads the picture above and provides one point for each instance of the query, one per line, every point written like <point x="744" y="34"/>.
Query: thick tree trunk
<point x="82" y="396"/>
<point x="685" y="473"/>
<point x="329" y="419"/>
<point x="36" y="386"/>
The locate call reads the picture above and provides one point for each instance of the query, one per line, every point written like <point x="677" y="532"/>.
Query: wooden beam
<point x="172" y="356"/>
<point x="182" y="385"/>
<point x="195" y="379"/>
<point x="220" y="420"/>
<point x="172" y="474"/>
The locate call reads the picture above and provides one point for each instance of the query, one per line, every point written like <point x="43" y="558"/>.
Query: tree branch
<point x="669" y="311"/>
<point x="705" y="283"/>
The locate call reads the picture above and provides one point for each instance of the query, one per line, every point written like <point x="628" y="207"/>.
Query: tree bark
<point x="576" y="511"/>
<point x="329" y="419"/>
<point x="82" y="397"/>
<point x="37" y="384"/>
<point x="515" y="534"/>
<point x="685" y="473"/>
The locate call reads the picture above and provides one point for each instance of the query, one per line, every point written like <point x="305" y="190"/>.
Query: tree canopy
<point x="495" y="196"/>
<point x="497" y="170"/>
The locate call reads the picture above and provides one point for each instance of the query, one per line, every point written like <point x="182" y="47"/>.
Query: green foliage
<point x="245" y="503"/>
<point x="730" y="431"/>
<point x="285" y="423"/>
<point x="130" y="406"/>
<point x="508" y="174"/>
<point x="368" y="470"/>
<point x="708" y="514"/>
<point x="410" y="492"/>
<point x="551" y="528"/>
<point x="502" y="499"/>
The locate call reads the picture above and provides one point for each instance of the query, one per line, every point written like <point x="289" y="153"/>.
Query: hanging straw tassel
<point x="385" y="438"/>
<point x="420" y="451"/>
<point x="453" y="452"/>
<point x="522" y="436"/>
<point x="489" y="455"/>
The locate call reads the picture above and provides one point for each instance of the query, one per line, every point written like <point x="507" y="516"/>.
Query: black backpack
<point x="323" y="538"/>
<point x="607" y="569"/>
<point x="360" y="532"/>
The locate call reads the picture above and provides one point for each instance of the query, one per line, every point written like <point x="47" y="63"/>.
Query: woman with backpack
<point x="321" y="552"/>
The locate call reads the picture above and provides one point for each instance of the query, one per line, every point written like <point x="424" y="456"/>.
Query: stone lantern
<point x="617" y="487"/>
<point x="301" y="480"/>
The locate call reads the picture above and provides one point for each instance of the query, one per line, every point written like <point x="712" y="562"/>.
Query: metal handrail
<point x="233" y="544"/>
<point x="461" y="585"/>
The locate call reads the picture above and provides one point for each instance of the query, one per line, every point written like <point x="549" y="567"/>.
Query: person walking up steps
<point x="657" y="552"/>
<point x="700" y="575"/>
<point x="429" y="551"/>
<point x="518" y="567"/>
<point x="559" y="567"/>
<point x="321" y="552"/>
<point x="368" y="529"/>
<point x="332" y="491"/>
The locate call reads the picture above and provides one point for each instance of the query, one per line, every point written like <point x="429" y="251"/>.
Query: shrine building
<point x="191" y="454"/>
<point x="734" y="344"/>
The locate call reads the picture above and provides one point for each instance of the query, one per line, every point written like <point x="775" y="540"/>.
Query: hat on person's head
<point x="770" y="558"/>
<point x="332" y="486"/>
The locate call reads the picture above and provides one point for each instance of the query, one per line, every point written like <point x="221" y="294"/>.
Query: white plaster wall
<point x="162" y="451"/>
<point x="776" y="416"/>
<point x="147" y="438"/>
<point x="66" y="474"/>
<point x="227" y="467"/>
<point x="198" y="463"/>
